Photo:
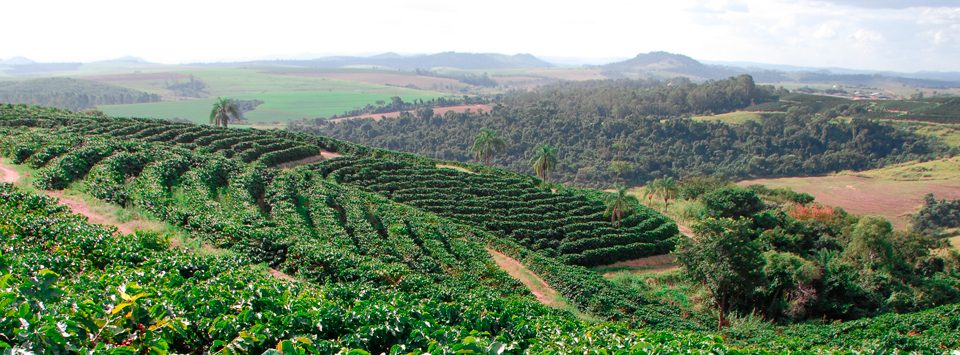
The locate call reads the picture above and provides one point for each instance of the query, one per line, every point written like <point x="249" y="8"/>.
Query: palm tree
<point x="487" y="143"/>
<point x="544" y="160"/>
<point x="618" y="205"/>
<point x="666" y="188"/>
<point x="223" y="111"/>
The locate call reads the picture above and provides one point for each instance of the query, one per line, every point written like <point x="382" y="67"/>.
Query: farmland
<point x="893" y="192"/>
<point x="395" y="245"/>
<point x="285" y="97"/>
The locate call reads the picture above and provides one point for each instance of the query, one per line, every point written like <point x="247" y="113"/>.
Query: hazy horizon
<point x="903" y="36"/>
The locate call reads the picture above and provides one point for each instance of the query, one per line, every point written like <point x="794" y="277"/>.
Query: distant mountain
<point x="663" y="65"/>
<point x="15" y="61"/>
<point x="429" y="61"/>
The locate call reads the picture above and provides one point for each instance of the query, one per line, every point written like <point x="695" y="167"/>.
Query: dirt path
<point x="543" y="292"/>
<point x="454" y="167"/>
<point x="8" y="175"/>
<point x="82" y="208"/>
<point x="322" y="156"/>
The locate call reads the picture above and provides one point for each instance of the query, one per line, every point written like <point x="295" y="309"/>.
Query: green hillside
<point x="373" y="250"/>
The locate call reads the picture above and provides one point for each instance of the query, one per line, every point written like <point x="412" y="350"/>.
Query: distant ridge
<point x="428" y="61"/>
<point x="664" y="65"/>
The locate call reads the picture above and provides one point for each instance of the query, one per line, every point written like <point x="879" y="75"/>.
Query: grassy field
<point x="736" y="117"/>
<point x="286" y="97"/>
<point x="893" y="192"/>
<point x="948" y="133"/>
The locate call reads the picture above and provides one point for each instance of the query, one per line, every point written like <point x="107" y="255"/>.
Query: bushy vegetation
<point x="937" y="215"/>
<point x="374" y="270"/>
<point x="71" y="94"/>
<point x="639" y="127"/>
<point x="563" y="224"/>
<point x="72" y="287"/>
<point x="796" y="260"/>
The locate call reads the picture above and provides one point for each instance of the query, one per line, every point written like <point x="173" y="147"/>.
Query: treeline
<point x="397" y="104"/>
<point x="71" y="94"/>
<point x="466" y="78"/>
<point x="937" y="215"/>
<point x="758" y="251"/>
<point x="628" y="131"/>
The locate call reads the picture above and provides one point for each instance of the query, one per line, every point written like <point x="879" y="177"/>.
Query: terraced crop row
<point x="567" y="225"/>
<point x="246" y="145"/>
<point x="73" y="287"/>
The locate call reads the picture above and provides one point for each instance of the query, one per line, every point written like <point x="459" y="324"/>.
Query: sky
<point x="920" y="35"/>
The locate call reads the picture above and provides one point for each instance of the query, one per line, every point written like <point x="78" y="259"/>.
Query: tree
<point x="544" y="160"/>
<point x="732" y="202"/>
<point x="223" y="111"/>
<point x="870" y="244"/>
<point x="725" y="257"/>
<point x="487" y="143"/>
<point x="666" y="188"/>
<point x="619" y="204"/>
<point x="619" y="167"/>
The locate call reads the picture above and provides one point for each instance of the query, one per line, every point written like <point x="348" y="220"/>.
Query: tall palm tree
<point x="544" y="160"/>
<point x="619" y="204"/>
<point x="223" y="111"/>
<point x="666" y="188"/>
<point x="487" y="143"/>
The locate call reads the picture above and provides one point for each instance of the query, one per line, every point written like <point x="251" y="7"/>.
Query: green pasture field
<point x="285" y="97"/>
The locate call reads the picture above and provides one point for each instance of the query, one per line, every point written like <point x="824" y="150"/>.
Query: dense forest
<point x="71" y="94"/>
<point x="782" y="255"/>
<point x="937" y="215"/>
<point x="633" y="131"/>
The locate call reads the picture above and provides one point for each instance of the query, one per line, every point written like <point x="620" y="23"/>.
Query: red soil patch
<point x="81" y="208"/>
<point x="8" y="175"/>
<point x="280" y="275"/>
<point x="439" y="111"/>
<point x="894" y="200"/>
<point x="540" y="289"/>
<point x="324" y="155"/>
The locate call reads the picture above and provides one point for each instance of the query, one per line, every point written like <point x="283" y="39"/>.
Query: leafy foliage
<point x="589" y="122"/>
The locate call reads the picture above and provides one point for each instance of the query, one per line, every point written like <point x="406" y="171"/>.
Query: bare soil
<point x="540" y="289"/>
<point x="454" y="167"/>
<point x="439" y="111"/>
<point x="893" y="199"/>
<point x="324" y="155"/>
<point x="82" y="208"/>
<point x="280" y="275"/>
<point x="8" y="175"/>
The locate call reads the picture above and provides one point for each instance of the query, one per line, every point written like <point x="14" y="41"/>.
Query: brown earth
<point x="439" y="111"/>
<point x="894" y="200"/>
<point x="8" y="175"/>
<point x="540" y="289"/>
<point x="324" y="155"/>
<point x="82" y="208"/>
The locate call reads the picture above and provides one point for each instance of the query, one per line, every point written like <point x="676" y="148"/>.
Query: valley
<point x="436" y="177"/>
